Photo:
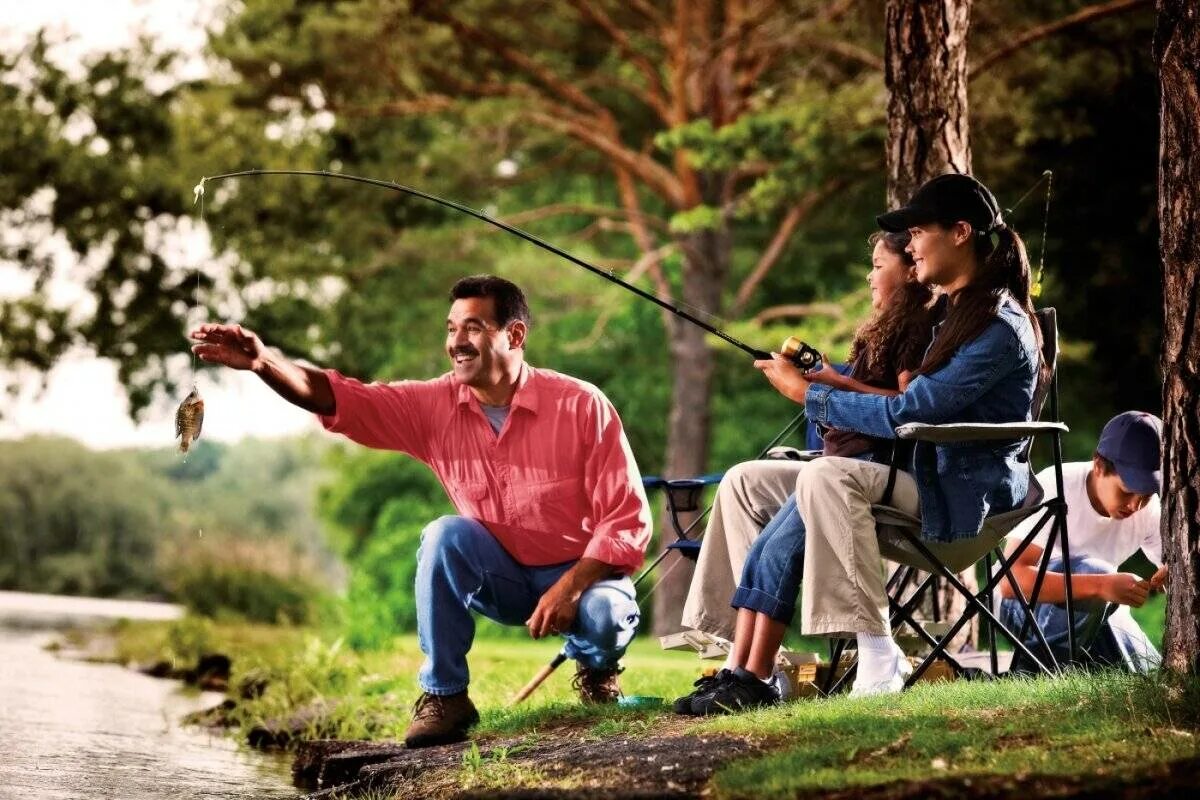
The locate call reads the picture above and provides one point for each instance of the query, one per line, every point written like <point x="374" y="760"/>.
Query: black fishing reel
<point x="800" y="353"/>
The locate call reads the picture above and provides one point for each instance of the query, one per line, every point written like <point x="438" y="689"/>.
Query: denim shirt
<point x="989" y="379"/>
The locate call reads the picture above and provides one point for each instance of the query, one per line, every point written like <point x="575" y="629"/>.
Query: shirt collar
<point x="524" y="396"/>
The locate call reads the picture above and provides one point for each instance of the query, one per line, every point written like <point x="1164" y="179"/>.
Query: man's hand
<point x="785" y="376"/>
<point x="1159" y="579"/>
<point x="555" y="612"/>
<point x="230" y="345"/>
<point x="1126" y="589"/>
<point x="237" y="348"/>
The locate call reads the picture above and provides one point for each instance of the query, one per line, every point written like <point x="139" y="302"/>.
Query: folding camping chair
<point x="900" y="540"/>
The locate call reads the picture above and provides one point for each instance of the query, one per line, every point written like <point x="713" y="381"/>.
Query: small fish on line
<point x="189" y="418"/>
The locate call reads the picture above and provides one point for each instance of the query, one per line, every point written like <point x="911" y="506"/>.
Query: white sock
<point x="877" y="658"/>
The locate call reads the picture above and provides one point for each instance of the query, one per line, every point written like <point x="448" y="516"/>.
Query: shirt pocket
<point x="468" y="495"/>
<point x="555" y="504"/>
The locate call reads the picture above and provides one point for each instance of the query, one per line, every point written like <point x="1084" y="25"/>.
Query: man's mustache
<point x="463" y="351"/>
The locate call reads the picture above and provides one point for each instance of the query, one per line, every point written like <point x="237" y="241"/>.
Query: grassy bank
<point x="1099" y="726"/>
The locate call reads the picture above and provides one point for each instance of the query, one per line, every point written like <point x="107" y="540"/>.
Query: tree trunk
<point x="926" y="77"/>
<point x="1177" y="49"/>
<point x="928" y="135"/>
<point x="705" y="267"/>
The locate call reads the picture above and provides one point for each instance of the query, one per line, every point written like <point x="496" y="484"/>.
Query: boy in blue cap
<point x="1113" y="511"/>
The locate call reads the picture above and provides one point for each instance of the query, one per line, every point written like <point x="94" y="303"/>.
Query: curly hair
<point x="886" y="342"/>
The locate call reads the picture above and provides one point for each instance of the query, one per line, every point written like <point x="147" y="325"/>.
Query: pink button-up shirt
<point x="558" y="482"/>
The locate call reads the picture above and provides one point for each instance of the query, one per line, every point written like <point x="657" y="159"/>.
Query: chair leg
<point x="994" y="659"/>
<point x="973" y="606"/>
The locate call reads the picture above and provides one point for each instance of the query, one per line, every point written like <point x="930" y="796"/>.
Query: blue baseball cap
<point x="1132" y="441"/>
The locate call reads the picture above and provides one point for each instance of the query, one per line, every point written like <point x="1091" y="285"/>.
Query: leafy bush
<point x="254" y="581"/>
<point x="380" y="602"/>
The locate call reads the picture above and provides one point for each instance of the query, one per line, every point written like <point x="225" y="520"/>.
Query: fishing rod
<point x="800" y="353"/>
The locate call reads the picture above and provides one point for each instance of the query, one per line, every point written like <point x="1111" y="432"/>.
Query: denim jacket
<point x="989" y="379"/>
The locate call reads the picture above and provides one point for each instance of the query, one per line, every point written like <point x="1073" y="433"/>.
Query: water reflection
<point x="70" y="729"/>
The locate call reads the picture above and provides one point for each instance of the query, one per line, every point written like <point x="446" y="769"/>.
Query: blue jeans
<point x="774" y="566"/>
<point x="1118" y="638"/>
<point x="462" y="568"/>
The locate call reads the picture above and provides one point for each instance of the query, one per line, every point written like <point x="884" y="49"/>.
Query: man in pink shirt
<point x="552" y="517"/>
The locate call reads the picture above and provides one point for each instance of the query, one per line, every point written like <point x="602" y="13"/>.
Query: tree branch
<point x="561" y="209"/>
<point x="509" y="53"/>
<point x="1081" y="17"/>
<point x="589" y="132"/>
<point x="848" y="51"/>
<point x="798" y="310"/>
<point x="429" y="104"/>
<point x="655" y="95"/>
<point x="783" y="234"/>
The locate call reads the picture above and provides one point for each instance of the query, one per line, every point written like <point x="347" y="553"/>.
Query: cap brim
<point x="1140" y="481"/>
<point x="902" y="219"/>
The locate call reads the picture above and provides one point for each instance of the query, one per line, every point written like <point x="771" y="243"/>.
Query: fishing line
<point x="198" y="196"/>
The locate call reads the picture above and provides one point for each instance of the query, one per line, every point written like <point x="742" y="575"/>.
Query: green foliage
<point x="130" y="523"/>
<point x="76" y="522"/>
<point x="258" y="595"/>
<point x="380" y="601"/>
<point x="367" y="483"/>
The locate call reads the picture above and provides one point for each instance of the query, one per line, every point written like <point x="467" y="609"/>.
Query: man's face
<point x="480" y="351"/>
<point x="1114" y="497"/>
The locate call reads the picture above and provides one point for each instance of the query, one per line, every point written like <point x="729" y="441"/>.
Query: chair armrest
<point x="976" y="431"/>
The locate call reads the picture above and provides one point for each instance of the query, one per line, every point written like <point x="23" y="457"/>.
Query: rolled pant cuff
<point x="440" y="691"/>
<point x="760" y="601"/>
<point x="711" y="626"/>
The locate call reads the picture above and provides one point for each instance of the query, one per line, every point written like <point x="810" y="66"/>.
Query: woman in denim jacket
<point x="982" y="366"/>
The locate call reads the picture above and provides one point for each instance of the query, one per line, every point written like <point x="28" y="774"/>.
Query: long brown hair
<point x="876" y="340"/>
<point x="1003" y="266"/>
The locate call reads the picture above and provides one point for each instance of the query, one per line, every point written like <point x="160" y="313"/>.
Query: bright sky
<point x="83" y="398"/>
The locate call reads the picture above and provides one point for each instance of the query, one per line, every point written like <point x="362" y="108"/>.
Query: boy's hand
<point x="1126" y="589"/>
<point x="1159" y="579"/>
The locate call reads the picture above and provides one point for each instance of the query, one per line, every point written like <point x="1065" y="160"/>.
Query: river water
<point x="71" y="729"/>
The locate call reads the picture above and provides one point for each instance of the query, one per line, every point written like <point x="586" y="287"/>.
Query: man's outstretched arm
<point x="237" y="348"/>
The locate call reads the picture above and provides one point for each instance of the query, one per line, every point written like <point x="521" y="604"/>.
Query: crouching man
<point x="552" y="517"/>
<point x="1113" y="511"/>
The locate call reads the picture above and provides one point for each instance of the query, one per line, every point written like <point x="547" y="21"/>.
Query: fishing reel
<point x="800" y="353"/>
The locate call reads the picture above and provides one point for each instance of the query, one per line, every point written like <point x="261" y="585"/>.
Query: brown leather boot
<point x="597" y="686"/>
<point x="440" y="719"/>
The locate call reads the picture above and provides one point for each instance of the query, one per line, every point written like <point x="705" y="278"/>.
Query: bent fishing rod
<point x="801" y="354"/>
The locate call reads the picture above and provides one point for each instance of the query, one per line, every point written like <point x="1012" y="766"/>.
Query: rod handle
<point x="541" y="676"/>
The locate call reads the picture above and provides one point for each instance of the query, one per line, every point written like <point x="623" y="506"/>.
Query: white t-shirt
<point x="1089" y="534"/>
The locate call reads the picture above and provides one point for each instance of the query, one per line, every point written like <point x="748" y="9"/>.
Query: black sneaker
<point x="739" y="691"/>
<point x="705" y="684"/>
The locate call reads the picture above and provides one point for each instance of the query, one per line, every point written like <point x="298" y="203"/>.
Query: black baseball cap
<point x="947" y="199"/>
<point x="1132" y="441"/>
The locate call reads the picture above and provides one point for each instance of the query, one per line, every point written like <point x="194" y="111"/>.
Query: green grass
<point x="1081" y="724"/>
<point x="367" y="695"/>
<point x="1078" y="725"/>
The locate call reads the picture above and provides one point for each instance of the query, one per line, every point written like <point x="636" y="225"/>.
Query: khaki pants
<point x="747" y="498"/>
<point x="843" y="585"/>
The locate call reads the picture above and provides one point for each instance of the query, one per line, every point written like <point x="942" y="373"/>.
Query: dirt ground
<point x="568" y="761"/>
<point x="568" y="764"/>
